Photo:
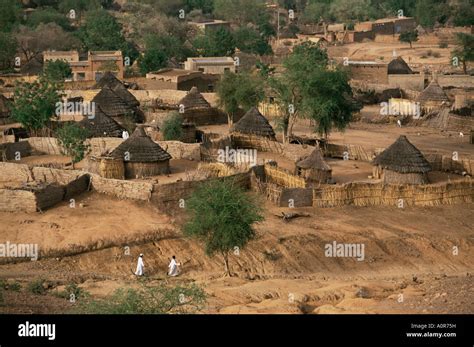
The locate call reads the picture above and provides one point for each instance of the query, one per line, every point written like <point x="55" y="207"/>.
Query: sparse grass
<point x="72" y="291"/>
<point x="14" y="286"/>
<point x="36" y="287"/>
<point x="443" y="45"/>
<point x="148" y="300"/>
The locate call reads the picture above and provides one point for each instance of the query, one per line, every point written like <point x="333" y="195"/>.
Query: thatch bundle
<point x="314" y="167"/>
<point x="143" y="157"/>
<point x="402" y="162"/>
<point x="254" y="123"/>
<point x="102" y="125"/>
<point x="398" y="66"/>
<point x="283" y="178"/>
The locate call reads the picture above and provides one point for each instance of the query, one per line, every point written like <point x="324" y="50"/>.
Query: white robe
<point x="173" y="268"/>
<point x="124" y="135"/>
<point x="140" y="267"/>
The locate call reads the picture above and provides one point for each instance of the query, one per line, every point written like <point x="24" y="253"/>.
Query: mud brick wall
<point x="14" y="200"/>
<point x="299" y="197"/>
<point x="15" y="173"/>
<point x="181" y="150"/>
<point x="47" y="145"/>
<point x="100" y="145"/>
<point x="121" y="188"/>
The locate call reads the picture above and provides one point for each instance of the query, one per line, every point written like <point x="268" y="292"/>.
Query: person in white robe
<point x="140" y="266"/>
<point x="173" y="267"/>
<point x="125" y="135"/>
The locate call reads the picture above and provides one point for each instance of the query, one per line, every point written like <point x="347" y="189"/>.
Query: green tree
<point x="101" y="31"/>
<point x="216" y="43"/>
<point x="172" y="127"/>
<point x="9" y="14"/>
<point x="465" y="49"/>
<point x="206" y="6"/>
<point x="72" y="139"/>
<point x="154" y="58"/>
<point x="409" y="36"/>
<point x="222" y="215"/>
<point x="8" y="47"/>
<point x="428" y="12"/>
<point x="236" y="91"/>
<point x="308" y="89"/>
<point x="249" y="40"/>
<point x="35" y="103"/>
<point x="57" y="70"/>
<point x="48" y="15"/>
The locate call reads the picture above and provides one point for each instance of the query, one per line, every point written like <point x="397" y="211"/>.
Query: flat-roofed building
<point x="210" y="25"/>
<point x="212" y="65"/>
<point x="184" y="79"/>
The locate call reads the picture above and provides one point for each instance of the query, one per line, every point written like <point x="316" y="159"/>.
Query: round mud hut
<point x="314" y="168"/>
<point x="142" y="156"/>
<point x="101" y="125"/>
<point x="111" y="81"/>
<point x="402" y="163"/>
<point x="253" y="123"/>
<point x="432" y="97"/>
<point x="196" y="109"/>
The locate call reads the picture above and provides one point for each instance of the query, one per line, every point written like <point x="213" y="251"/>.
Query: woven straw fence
<point x="283" y="178"/>
<point x="370" y="194"/>
<point x="259" y="143"/>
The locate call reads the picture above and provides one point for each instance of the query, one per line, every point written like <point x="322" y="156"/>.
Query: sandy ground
<point x="284" y="270"/>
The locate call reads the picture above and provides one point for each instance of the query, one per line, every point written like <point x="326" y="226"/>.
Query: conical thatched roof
<point x="433" y="93"/>
<point x="403" y="157"/>
<point x="109" y="80"/>
<point x="4" y="108"/>
<point x="314" y="161"/>
<point x="398" y="66"/>
<point x="141" y="148"/>
<point x="254" y="123"/>
<point x="194" y="99"/>
<point x="102" y="125"/>
<point x="112" y="104"/>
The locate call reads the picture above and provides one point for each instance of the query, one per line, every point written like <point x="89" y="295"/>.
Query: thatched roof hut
<point x="4" y="110"/>
<point x="109" y="80"/>
<point x="398" y="66"/>
<point x="194" y="99"/>
<point x="314" y="168"/>
<point x="253" y="123"/>
<point x="432" y="97"/>
<point x="113" y="105"/>
<point x="197" y="110"/>
<point x="403" y="163"/>
<point x="142" y="156"/>
<point x="102" y="125"/>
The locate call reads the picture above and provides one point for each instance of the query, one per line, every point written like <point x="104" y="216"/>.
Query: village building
<point x="210" y="25"/>
<point x="195" y="109"/>
<point x="372" y="71"/>
<point x="402" y="163"/>
<point x="398" y="66"/>
<point x="142" y="156"/>
<point x="387" y="26"/>
<point x="432" y="97"/>
<point x="101" y="125"/>
<point x="210" y="65"/>
<point x="253" y="123"/>
<point x="179" y="79"/>
<point x="314" y="168"/>
<point x="93" y="67"/>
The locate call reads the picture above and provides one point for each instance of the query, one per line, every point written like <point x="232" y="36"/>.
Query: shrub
<point x="443" y="45"/>
<point x="36" y="287"/>
<point x="172" y="127"/>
